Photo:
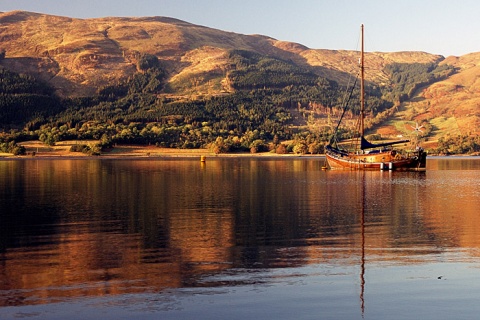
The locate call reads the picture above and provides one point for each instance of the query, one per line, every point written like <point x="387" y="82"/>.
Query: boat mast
<point x="362" y="87"/>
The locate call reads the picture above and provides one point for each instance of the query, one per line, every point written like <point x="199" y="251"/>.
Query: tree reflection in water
<point x="97" y="228"/>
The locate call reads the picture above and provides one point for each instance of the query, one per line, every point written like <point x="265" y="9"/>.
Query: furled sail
<point x="365" y="144"/>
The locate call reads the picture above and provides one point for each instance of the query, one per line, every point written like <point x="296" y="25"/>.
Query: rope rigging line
<point x="333" y="139"/>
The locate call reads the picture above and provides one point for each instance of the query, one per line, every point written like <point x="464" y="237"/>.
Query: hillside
<point x="79" y="57"/>
<point x="453" y="104"/>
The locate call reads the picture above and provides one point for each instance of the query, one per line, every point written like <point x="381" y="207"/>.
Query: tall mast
<point x="362" y="87"/>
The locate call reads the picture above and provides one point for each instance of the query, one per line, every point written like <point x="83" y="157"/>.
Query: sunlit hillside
<point x="77" y="57"/>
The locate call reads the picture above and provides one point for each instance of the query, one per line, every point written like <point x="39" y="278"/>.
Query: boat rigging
<point x="367" y="155"/>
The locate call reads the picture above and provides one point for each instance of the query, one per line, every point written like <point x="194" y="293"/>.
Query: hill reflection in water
<point x="75" y="229"/>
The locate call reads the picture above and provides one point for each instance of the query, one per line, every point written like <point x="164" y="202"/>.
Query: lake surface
<point x="237" y="238"/>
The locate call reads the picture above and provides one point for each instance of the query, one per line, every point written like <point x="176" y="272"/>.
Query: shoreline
<point x="182" y="155"/>
<point x="38" y="150"/>
<point x="159" y="156"/>
<point x="164" y="156"/>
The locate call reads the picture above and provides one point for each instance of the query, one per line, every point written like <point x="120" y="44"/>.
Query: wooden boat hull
<point x="386" y="160"/>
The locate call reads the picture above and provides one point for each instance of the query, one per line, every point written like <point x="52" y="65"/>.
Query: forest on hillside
<point x="272" y="102"/>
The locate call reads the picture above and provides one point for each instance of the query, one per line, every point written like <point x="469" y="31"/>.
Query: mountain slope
<point x="77" y="57"/>
<point x="451" y="106"/>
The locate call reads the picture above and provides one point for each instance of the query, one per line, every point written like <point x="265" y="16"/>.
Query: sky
<point x="442" y="27"/>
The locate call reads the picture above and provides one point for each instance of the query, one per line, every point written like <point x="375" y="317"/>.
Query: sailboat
<point x="367" y="155"/>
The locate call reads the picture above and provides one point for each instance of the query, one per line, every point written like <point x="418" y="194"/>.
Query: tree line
<point x="269" y="94"/>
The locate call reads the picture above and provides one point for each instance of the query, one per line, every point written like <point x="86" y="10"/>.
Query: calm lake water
<point x="237" y="238"/>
